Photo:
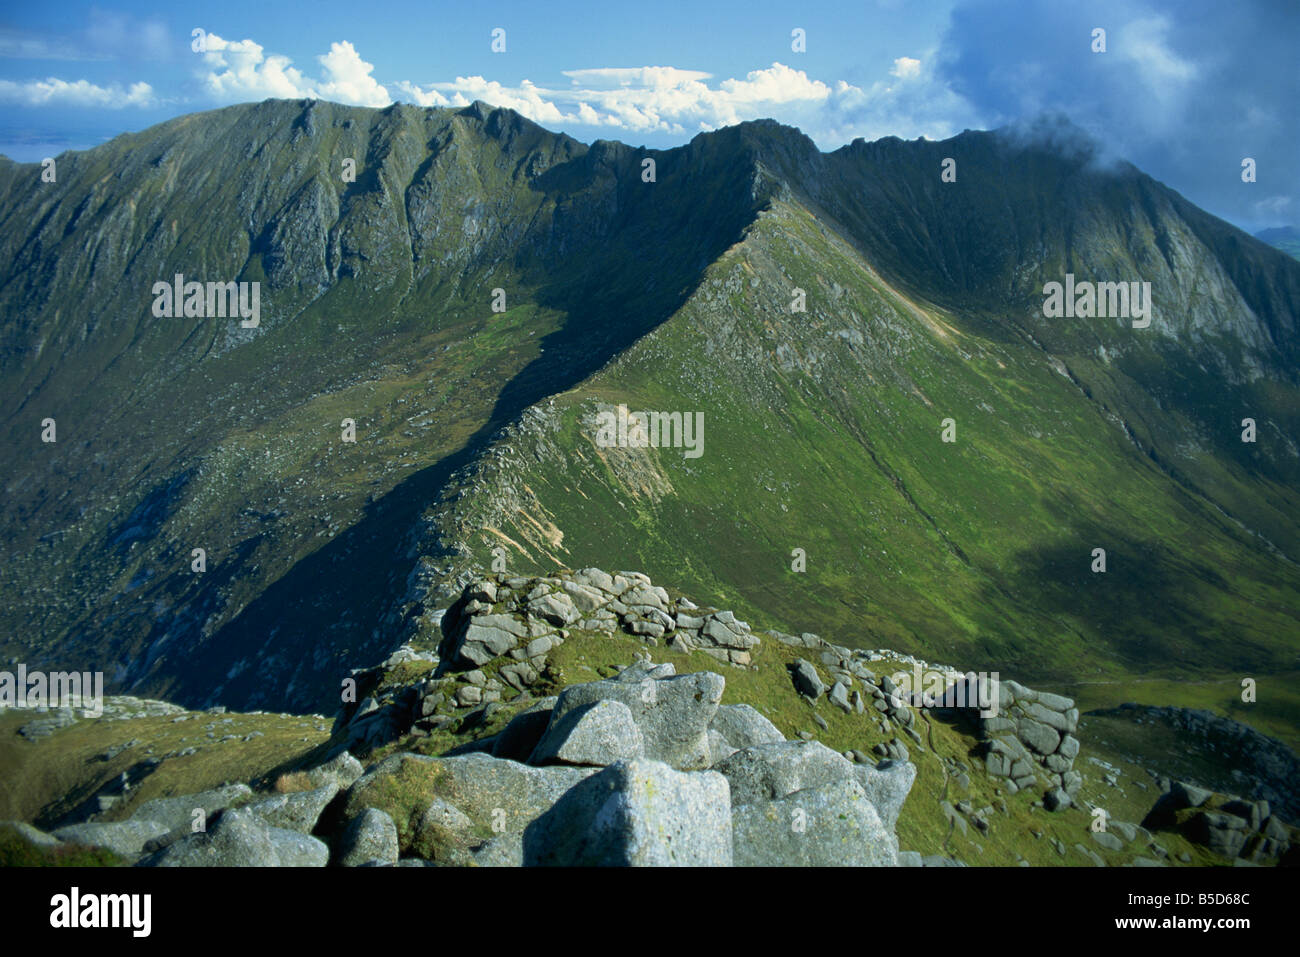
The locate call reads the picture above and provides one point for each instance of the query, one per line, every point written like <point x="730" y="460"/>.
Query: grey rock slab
<point x="584" y="597"/>
<point x="996" y="725"/>
<point x="673" y="714"/>
<point x="597" y="734"/>
<point x="1056" y="800"/>
<point x="1189" y="795"/>
<point x="636" y="813"/>
<point x="1224" y="834"/>
<point x="743" y="726"/>
<point x="489" y="636"/>
<point x="239" y="838"/>
<point x="597" y="579"/>
<point x="499" y="794"/>
<point x="1055" y="702"/>
<point x="1091" y="855"/>
<point x="642" y="669"/>
<point x="1057" y="763"/>
<point x="1124" y="830"/>
<point x="369" y="836"/>
<point x="1053" y="719"/>
<point x="298" y="811"/>
<point x="557" y="608"/>
<point x="177" y="813"/>
<point x="446" y="816"/>
<point x="887" y="786"/>
<point x="766" y="772"/>
<point x="506" y="850"/>
<point x="719" y="747"/>
<point x="1108" y="840"/>
<point x="1038" y="736"/>
<point x="642" y="595"/>
<point x="727" y="636"/>
<point x="830" y="825"/>
<point x="1010" y="746"/>
<point x="538" y="646"/>
<point x="1071" y="781"/>
<point x="806" y="680"/>
<point x="125" y="838"/>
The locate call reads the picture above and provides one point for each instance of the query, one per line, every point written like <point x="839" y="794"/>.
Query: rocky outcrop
<point x="525" y="617"/>
<point x="638" y="812"/>
<point x="113" y="708"/>
<point x="829" y="825"/>
<point x="1263" y="768"/>
<point x="296" y="811"/>
<point x="371" y="838"/>
<point x="645" y="768"/>
<point x="1239" y="830"/>
<point x="664" y="717"/>
<point x="1028" y="737"/>
<point x="1032" y="738"/>
<point x="849" y="685"/>
<point x="499" y="635"/>
<point x="239" y="838"/>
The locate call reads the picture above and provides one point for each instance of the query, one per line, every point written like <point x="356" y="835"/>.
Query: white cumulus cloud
<point x="239" y="70"/>
<point x="907" y="100"/>
<point x="56" y="92"/>
<point x="649" y="99"/>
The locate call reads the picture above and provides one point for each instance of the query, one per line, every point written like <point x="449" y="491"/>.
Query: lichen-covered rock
<point x="342" y="769"/>
<point x="829" y="825"/>
<point x="672" y="713"/>
<point x="370" y="836"/>
<point x="297" y="811"/>
<point x="887" y="785"/>
<point x="744" y="727"/>
<point x="178" y="813"/>
<point x="766" y="772"/>
<point x="597" y="734"/>
<point x="498" y="795"/>
<point x="636" y="813"/>
<point x="125" y="838"/>
<point x="239" y="838"/>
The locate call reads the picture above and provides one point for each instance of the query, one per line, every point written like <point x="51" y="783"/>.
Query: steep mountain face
<point x="175" y="434"/>
<point x="476" y="430"/>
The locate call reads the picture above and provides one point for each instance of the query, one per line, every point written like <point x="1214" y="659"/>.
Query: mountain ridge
<point x="450" y="204"/>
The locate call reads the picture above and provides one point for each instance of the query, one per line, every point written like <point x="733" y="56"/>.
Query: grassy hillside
<point x="823" y="432"/>
<point x="823" y="427"/>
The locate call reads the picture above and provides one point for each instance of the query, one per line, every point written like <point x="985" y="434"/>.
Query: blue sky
<point x="1185" y="89"/>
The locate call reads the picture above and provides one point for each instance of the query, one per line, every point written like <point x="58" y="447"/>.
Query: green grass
<point x="975" y="553"/>
<point x="47" y="779"/>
